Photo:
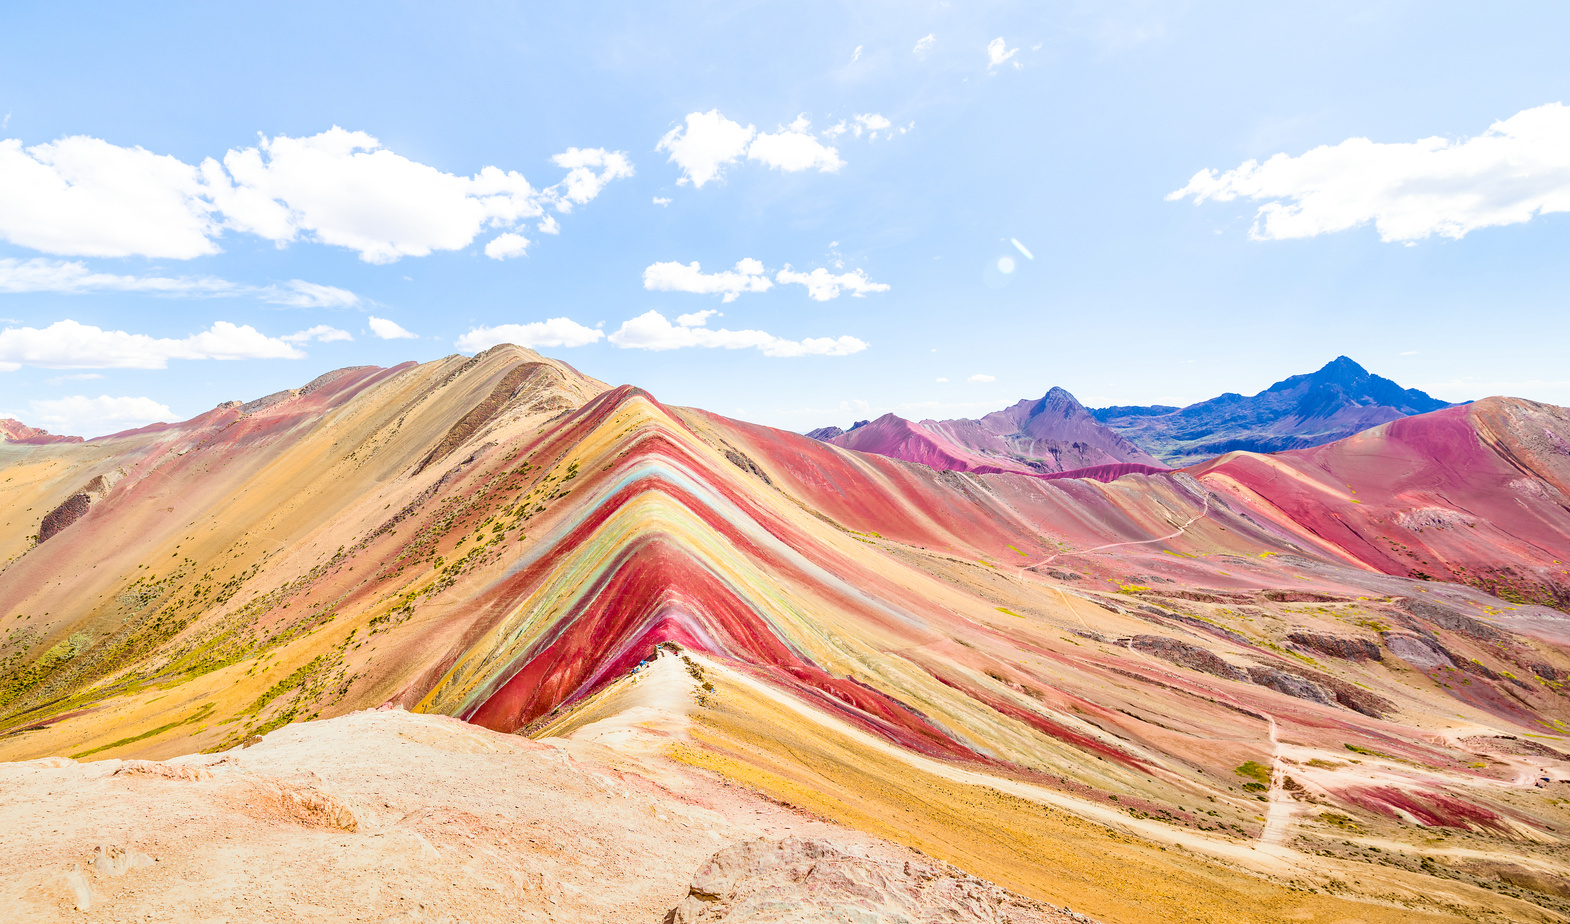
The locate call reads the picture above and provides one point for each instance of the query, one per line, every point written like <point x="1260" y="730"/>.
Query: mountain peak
<point x="1342" y="369"/>
<point x="1339" y="399"/>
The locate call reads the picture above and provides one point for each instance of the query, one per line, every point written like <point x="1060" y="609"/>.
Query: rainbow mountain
<point x="1323" y="684"/>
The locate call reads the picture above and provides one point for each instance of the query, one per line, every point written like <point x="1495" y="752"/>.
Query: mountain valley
<point x="1323" y="684"/>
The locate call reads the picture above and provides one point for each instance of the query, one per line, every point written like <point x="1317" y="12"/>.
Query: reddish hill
<point x="1477" y="494"/>
<point x="953" y="659"/>
<point x="14" y="431"/>
<point x="1052" y="435"/>
<point x="898" y="438"/>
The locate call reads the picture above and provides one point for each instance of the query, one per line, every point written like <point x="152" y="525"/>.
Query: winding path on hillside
<point x="1280" y="804"/>
<point x="1205" y="511"/>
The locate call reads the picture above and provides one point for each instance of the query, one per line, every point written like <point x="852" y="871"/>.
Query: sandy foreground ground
<point x="375" y="816"/>
<point x="388" y="816"/>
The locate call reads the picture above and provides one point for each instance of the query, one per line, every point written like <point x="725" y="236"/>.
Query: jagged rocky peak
<point x="1337" y="400"/>
<point x="1342" y="382"/>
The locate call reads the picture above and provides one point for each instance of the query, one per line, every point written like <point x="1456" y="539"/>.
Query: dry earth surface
<point x="1329" y="685"/>
<point x="376" y="816"/>
<point x="396" y="817"/>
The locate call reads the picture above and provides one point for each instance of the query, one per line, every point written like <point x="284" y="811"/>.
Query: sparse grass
<point x="1254" y="771"/>
<point x="194" y="717"/>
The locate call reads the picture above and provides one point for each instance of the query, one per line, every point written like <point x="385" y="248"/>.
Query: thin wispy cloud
<point x="1516" y="170"/>
<point x="72" y="277"/>
<point x="871" y="123"/>
<point x="297" y="293"/>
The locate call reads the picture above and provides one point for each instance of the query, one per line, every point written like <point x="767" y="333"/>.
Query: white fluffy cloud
<point x="582" y="183"/>
<point x="707" y="141"/>
<point x="925" y="43"/>
<point x="793" y="149"/>
<point x="79" y="415"/>
<point x="506" y="246"/>
<point x="70" y="345"/>
<point x="823" y="285"/>
<point x="982" y="377"/>
<point x="87" y="197"/>
<point x="556" y="332"/>
<point x="83" y="196"/>
<point x="998" y="52"/>
<point x="389" y="330"/>
<point x="321" y="333"/>
<point x="1517" y="169"/>
<point x="697" y="318"/>
<point x="652" y="331"/>
<point x="747" y="276"/>
<point x="750" y="276"/>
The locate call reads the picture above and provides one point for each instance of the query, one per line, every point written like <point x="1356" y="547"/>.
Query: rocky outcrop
<point x="1337" y="646"/>
<point x="814" y="880"/>
<point x="1185" y="655"/>
<point x="73" y="507"/>
<point x="1290" y="684"/>
<point x="1321" y="688"/>
<point x="1448" y="617"/>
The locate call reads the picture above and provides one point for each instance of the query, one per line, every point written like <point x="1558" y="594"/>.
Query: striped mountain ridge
<point x="505" y="540"/>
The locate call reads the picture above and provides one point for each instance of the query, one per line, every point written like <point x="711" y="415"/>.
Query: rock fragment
<point x="813" y="881"/>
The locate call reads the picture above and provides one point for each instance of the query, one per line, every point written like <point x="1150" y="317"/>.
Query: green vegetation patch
<point x="1254" y="771"/>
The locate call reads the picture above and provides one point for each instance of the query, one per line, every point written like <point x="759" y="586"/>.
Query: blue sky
<point x="846" y="177"/>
